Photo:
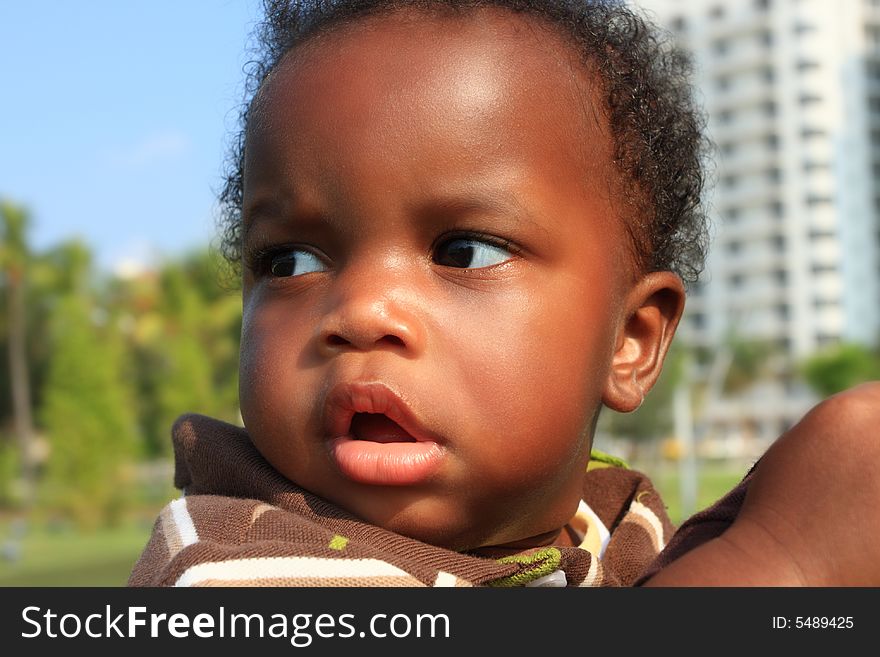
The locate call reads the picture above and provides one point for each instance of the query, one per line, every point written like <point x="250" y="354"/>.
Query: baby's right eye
<point x="294" y="262"/>
<point x="472" y="252"/>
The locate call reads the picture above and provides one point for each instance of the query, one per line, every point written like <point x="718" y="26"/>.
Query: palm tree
<point x="14" y="255"/>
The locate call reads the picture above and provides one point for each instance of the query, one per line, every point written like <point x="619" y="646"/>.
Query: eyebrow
<point x="267" y="208"/>
<point x="490" y="200"/>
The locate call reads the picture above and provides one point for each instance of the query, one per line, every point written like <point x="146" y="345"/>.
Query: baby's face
<point x="434" y="276"/>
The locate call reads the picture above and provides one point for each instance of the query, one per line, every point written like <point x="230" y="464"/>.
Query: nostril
<point x="393" y="339"/>
<point x="334" y="340"/>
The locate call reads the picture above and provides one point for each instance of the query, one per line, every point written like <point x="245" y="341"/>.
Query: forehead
<point x="453" y="68"/>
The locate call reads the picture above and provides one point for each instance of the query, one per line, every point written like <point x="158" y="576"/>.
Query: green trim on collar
<point x="600" y="459"/>
<point x="535" y="565"/>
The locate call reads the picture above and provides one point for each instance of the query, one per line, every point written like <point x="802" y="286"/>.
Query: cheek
<point x="271" y="348"/>
<point x="538" y="369"/>
<point x="277" y="394"/>
<point x="259" y="394"/>
<point x="256" y="368"/>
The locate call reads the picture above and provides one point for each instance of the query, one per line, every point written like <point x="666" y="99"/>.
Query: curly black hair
<point x="658" y="131"/>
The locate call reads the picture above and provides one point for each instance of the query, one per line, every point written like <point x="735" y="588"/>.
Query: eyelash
<point x="259" y="259"/>
<point x="486" y="238"/>
<point x="493" y="241"/>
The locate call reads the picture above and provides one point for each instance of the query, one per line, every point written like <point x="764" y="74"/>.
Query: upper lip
<point x="345" y="399"/>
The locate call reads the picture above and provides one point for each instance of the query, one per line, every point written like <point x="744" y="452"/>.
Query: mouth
<point x="372" y="412"/>
<point x="376" y="439"/>
<point x="378" y="428"/>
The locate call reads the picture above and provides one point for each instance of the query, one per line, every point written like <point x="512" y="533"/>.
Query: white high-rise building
<point x="792" y="91"/>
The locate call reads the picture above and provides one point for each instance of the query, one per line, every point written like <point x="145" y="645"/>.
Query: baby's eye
<point x="294" y="262"/>
<point x="470" y="253"/>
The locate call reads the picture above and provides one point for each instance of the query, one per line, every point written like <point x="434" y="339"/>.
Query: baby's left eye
<point x="469" y="253"/>
<point x="294" y="262"/>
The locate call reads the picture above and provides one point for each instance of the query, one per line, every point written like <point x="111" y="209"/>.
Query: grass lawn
<point x="61" y="556"/>
<point x="714" y="480"/>
<point x="64" y="557"/>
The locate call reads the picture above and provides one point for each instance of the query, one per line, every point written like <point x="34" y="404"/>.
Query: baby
<point x="465" y="227"/>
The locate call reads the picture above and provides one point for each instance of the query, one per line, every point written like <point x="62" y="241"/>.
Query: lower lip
<point x="386" y="464"/>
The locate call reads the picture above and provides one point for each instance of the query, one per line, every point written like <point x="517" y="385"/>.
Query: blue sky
<point x="115" y="116"/>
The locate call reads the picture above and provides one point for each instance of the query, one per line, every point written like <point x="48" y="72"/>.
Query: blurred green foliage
<point x="89" y="416"/>
<point x="111" y="361"/>
<point x="840" y="367"/>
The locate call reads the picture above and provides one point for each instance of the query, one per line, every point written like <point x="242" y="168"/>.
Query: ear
<point x="653" y="308"/>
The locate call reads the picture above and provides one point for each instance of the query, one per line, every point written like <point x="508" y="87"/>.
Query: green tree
<point x="87" y="409"/>
<point x="841" y="367"/>
<point x="186" y="370"/>
<point x="750" y="361"/>
<point x="14" y="256"/>
<point x="182" y="324"/>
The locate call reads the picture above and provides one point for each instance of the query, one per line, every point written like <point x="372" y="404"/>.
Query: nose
<point x="367" y="316"/>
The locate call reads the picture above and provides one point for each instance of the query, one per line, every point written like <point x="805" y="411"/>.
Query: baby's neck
<point x="562" y="537"/>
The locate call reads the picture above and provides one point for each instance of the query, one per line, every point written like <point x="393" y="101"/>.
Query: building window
<point x="734" y="246"/>
<point x="803" y="28"/>
<point x="773" y="175"/>
<point x="779" y="243"/>
<point x="679" y="24"/>
<point x="772" y="142"/>
<point x="717" y="11"/>
<point x="777" y="209"/>
<point x="768" y="74"/>
<point x="730" y="181"/>
<point x="736" y="281"/>
<point x="780" y="276"/>
<point x="809" y="98"/>
<point x="783" y="311"/>
<point x="804" y="65"/>
<point x="728" y="148"/>
<point x="814" y="200"/>
<point x="762" y="5"/>
<point x="719" y="46"/>
<point x="825" y="339"/>
<point x="810" y="166"/>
